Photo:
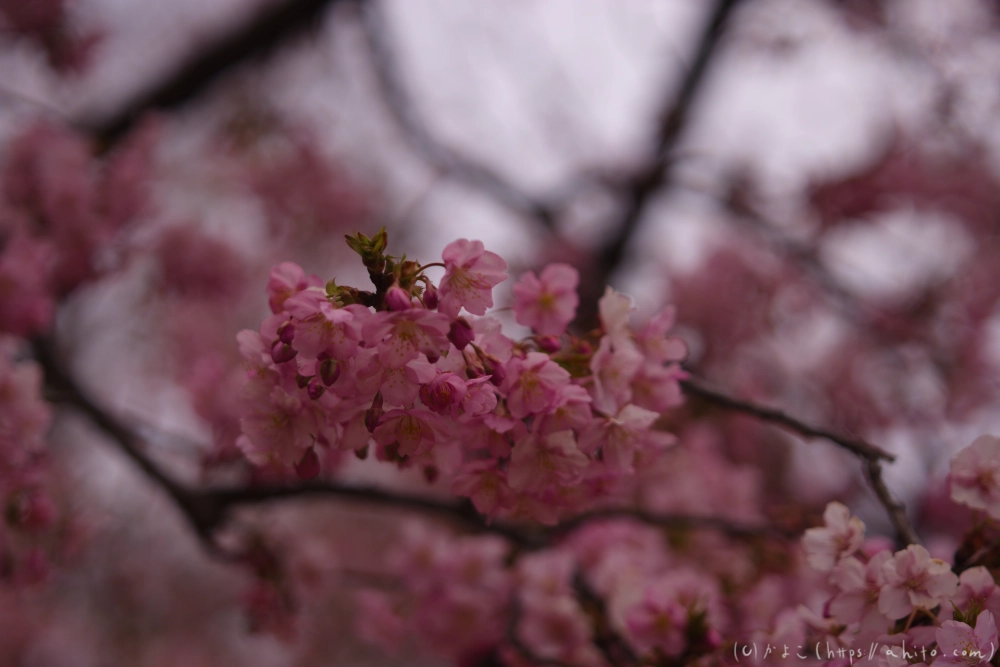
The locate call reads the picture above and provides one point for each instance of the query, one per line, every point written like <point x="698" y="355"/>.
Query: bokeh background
<point x="813" y="184"/>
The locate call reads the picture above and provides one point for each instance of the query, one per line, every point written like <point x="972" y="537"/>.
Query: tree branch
<point x="733" y="529"/>
<point x="896" y="510"/>
<point x="869" y="454"/>
<point x="444" y="159"/>
<point x="644" y="184"/>
<point x="854" y="445"/>
<point x="208" y="509"/>
<point x="256" y="38"/>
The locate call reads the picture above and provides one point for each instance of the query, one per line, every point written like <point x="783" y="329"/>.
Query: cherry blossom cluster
<point x="470" y="597"/>
<point x="60" y="212"/>
<point x="657" y="594"/>
<point x="907" y="596"/>
<point x="523" y="427"/>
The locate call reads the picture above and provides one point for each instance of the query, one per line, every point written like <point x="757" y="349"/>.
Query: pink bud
<point x="550" y="344"/>
<point x="315" y="389"/>
<point x="496" y="370"/>
<point x="431" y="297"/>
<point x="282" y="352"/>
<point x="397" y="299"/>
<point x="286" y="332"/>
<point x="461" y="333"/>
<point x="373" y="415"/>
<point x="442" y="392"/>
<point x="302" y="380"/>
<point x="329" y="371"/>
<point x="308" y="467"/>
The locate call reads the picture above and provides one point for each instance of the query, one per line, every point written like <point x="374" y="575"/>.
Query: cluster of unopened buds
<point x="523" y="427"/>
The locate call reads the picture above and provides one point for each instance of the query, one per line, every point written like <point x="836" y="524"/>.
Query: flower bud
<point x="442" y="392"/>
<point x="329" y="371"/>
<point x="315" y="388"/>
<point x="495" y="369"/>
<point x="431" y="297"/>
<point x="308" y="467"/>
<point x="286" y="332"/>
<point x="397" y="299"/>
<point x="550" y="344"/>
<point x="373" y="415"/>
<point x="461" y="333"/>
<point x="282" y="352"/>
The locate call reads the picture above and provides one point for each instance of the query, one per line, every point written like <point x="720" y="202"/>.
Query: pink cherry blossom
<point x="532" y="384"/>
<point x="320" y="328"/>
<point x="658" y="622"/>
<point x="287" y="279"/>
<point x="414" y="430"/>
<point x="556" y="628"/>
<point x="548" y="303"/>
<point x="614" y="367"/>
<point x="444" y="391"/>
<point x="976" y="587"/>
<point x="277" y="426"/>
<point x="618" y="437"/>
<point x="470" y="275"/>
<point x="542" y="462"/>
<point x="484" y="484"/>
<point x="959" y="644"/>
<point x="403" y="335"/>
<point x="860" y="585"/>
<point x="913" y="579"/>
<point x="975" y="475"/>
<point x="842" y="536"/>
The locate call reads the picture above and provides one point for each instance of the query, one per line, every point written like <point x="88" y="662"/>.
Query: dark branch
<point x="733" y="529"/>
<point x="855" y="445"/>
<point x="869" y="454"/>
<point x="643" y="185"/>
<point x="255" y="39"/>
<point x="896" y="510"/>
<point x="444" y="159"/>
<point x="463" y="512"/>
<point x="202" y="513"/>
<point x="208" y="509"/>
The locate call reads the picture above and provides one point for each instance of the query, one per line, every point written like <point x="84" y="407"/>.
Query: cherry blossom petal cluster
<point x="60" y="209"/>
<point x="515" y="425"/>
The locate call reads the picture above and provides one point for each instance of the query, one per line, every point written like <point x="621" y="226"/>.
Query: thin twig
<point x="207" y="509"/>
<point x="733" y="529"/>
<point x="641" y="187"/>
<point x="896" y="510"/>
<point x="869" y="454"/>
<point x="850" y="443"/>
<point x="446" y="160"/>
<point x="463" y="512"/>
